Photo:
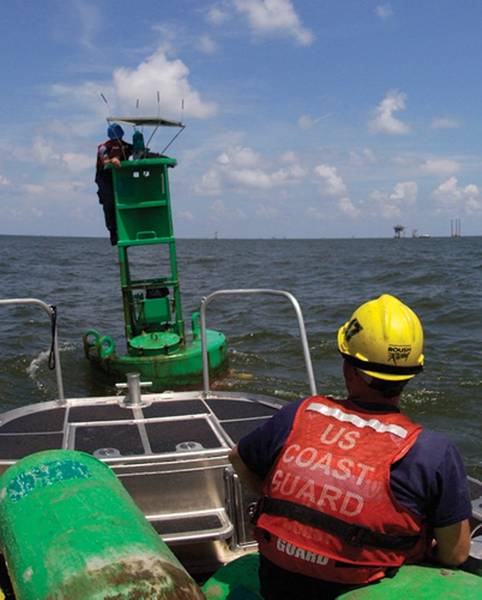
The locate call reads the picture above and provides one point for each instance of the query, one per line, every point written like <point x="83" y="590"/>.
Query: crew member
<point x="353" y="489"/>
<point x="113" y="151"/>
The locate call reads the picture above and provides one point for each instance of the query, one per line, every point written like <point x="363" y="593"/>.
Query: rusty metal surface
<point x="142" y="578"/>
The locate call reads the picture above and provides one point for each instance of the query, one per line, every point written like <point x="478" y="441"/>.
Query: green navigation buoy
<point x="157" y="345"/>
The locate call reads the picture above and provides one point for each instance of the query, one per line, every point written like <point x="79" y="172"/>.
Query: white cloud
<point x="363" y="157"/>
<point x="307" y="121"/>
<point x="4" y="180"/>
<point x="445" y="123"/>
<point x="440" y="166"/>
<point x="267" y="212"/>
<point x="289" y="157"/>
<point x="42" y="152"/>
<point x="296" y="171"/>
<point x="221" y="210"/>
<point x="217" y="15"/>
<point x="384" y="121"/>
<point x="88" y="21"/>
<point x="452" y="196"/>
<point x="25" y="212"/>
<point x="76" y="161"/>
<point x="245" y="168"/>
<point x="84" y="95"/>
<point x="185" y="215"/>
<point x="333" y="185"/>
<point x="390" y="205"/>
<point x="239" y="156"/>
<point x="206" y="44"/>
<point x="406" y="161"/>
<point x="332" y="182"/>
<point x="210" y="184"/>
<point x="275" y="16"/>
<point x="315" y="213"/>
<point x="346" y="206"/>
<point x="257" y="178"/>
<point x="33" y="188"/>
<point x="170" y="78"/>
<point x="404" y="192"/>
<point x="384" y="11"/>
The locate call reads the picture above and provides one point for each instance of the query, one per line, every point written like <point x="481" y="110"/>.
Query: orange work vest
<point x="328" y="510"/>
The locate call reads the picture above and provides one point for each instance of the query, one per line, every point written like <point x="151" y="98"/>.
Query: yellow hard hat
<point x="384" y="339"/>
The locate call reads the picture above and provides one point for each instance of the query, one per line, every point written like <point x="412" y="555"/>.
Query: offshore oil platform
<point x="158" y="347"/>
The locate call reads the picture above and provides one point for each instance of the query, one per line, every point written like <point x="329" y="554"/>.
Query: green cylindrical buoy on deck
<point x="70" y="531"/>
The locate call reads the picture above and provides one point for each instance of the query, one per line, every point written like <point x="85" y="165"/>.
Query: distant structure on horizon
<point x="415" y="234"/>
<point x="455" y="228"/>
<point x="399" y="231"/>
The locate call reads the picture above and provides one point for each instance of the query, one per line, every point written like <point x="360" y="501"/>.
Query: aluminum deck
<point x="171" y="453"/>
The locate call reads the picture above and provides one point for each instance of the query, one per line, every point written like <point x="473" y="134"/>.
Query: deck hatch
<point x="98" y="412"/>
<point x="177" y="408"/>
<point x="166" y="436"/>
<point x="125" y="438"/>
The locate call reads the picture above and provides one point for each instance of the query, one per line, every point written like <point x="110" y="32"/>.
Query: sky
<point x="304" y="118"/>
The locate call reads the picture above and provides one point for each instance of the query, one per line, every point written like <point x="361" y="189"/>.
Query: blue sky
<point x="305" y="118"/>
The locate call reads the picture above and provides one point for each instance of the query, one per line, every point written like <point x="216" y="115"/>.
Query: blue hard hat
<point x="115" y="131"/>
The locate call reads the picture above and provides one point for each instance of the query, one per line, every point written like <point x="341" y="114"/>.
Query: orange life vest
<point x="328" y="510"/>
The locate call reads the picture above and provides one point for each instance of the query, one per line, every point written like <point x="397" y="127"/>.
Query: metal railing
<point x="50" y="310"/>
<point x="249" y="292"/>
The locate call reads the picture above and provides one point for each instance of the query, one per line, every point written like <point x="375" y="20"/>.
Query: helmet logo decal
<point x="396" y="353"/>
<point x="352" y="329"/>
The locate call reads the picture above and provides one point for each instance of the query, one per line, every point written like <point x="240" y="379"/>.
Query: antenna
<point x="105" y="100"/>
<point x="178" y="133"/>
<point x="158" y="116"/>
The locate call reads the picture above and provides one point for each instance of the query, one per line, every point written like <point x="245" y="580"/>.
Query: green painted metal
<point x="157" y="344"/>
<point x="69" y="530"/>
<point x="239" y="580"/>
<point x="181" y="368"/>
<point x="144" y="217"/>
<point x="422" y="582"/>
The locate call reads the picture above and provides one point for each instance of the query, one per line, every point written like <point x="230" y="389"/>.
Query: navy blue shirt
<point x="429" y="480"/>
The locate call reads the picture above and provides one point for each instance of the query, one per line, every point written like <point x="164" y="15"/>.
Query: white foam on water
<point x="36" y="363"/>
<point x="42" y="359"/>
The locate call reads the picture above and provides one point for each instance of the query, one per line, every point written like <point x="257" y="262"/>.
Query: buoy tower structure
<point x="158" y="346"/>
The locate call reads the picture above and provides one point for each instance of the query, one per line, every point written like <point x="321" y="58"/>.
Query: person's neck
<point x="376" y="400"/>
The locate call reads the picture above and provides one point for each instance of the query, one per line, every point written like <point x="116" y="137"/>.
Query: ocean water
<point x="439" y="278"/>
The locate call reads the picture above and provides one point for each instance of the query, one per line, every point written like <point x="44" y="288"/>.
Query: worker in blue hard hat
<point x="112" y="151"/>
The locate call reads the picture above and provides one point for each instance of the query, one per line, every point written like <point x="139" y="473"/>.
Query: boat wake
<point x="42" y="359"/>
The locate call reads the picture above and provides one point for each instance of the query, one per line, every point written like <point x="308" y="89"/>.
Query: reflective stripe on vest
<point x="356" y="420"/>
